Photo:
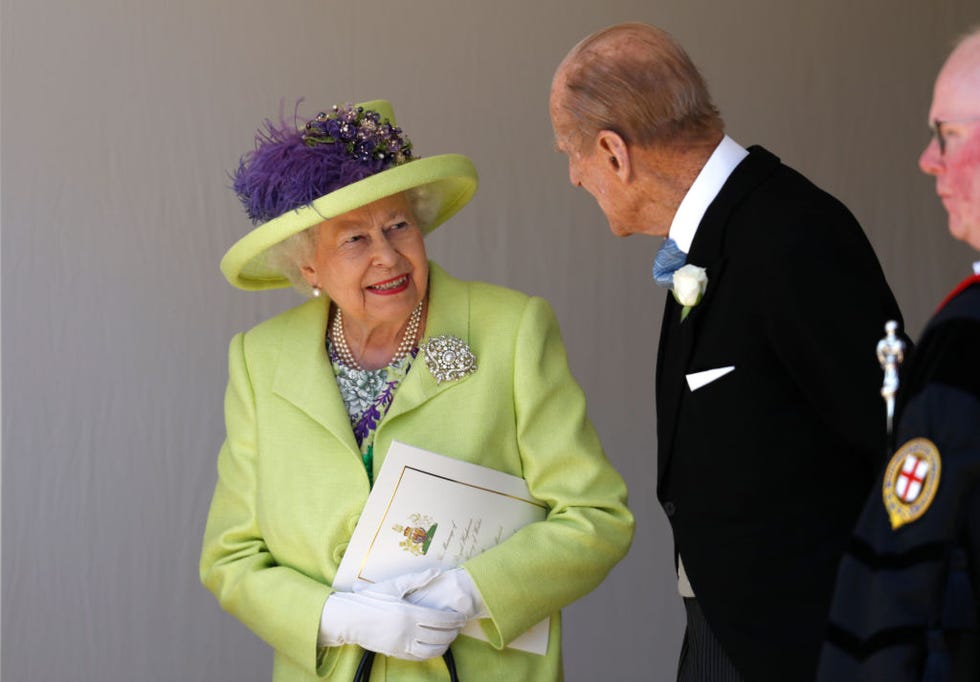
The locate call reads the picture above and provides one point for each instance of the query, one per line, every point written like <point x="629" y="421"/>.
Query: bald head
<point x="958" y="83"/>
<point x="968" y="50"/>
<point x="636" y="80"/>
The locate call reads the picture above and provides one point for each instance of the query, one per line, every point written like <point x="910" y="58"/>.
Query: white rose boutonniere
<point x="690" y="281"/>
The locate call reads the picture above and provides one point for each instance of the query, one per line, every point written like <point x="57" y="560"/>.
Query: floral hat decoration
<point x="297" y="177"/>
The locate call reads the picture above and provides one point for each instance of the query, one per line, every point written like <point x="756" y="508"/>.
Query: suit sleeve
<point x="279" y="604"/>
<point x="827" y="303"/>
<point x="547" y="565"/>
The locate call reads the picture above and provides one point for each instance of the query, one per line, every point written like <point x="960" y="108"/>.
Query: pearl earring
<point x="316" y="291"/>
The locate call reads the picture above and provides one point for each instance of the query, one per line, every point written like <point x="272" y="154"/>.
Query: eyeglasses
<point x="937" y="130"/>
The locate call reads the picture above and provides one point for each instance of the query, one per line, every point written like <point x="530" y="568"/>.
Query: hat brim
<point x="451" y="178"/>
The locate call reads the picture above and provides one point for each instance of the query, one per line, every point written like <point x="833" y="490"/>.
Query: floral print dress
<point x="367" y="395"/>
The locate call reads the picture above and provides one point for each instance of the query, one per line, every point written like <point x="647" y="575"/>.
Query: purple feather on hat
<point x="291" y="167"/>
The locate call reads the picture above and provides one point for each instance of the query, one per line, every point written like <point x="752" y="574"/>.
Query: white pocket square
<point x="699" y="379"/>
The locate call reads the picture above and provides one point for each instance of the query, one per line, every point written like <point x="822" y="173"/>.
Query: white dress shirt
<point x="727" y="155"/>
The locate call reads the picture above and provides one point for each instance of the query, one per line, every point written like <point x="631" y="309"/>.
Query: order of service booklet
<point x="431" y="511"/>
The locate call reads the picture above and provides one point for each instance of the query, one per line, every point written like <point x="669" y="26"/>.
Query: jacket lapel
<point x="304" y="376"/>
<point x="677" y="339"/>
<point x="449" y="313"/>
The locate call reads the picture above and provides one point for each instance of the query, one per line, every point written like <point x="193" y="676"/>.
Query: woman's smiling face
<point x="371" y="262"/>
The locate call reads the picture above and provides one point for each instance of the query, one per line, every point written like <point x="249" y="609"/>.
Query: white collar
<point x="727" y="155"/>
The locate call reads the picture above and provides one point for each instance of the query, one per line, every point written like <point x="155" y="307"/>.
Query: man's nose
<point x="931" y="160"/>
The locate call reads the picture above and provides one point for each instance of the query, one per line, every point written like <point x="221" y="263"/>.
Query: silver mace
<point x="891" y="352"/>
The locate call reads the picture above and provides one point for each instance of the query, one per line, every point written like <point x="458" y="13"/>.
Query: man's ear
<point x="614" y="149"/>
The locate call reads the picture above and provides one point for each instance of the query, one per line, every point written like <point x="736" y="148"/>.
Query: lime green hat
<point x="340" y="161"/>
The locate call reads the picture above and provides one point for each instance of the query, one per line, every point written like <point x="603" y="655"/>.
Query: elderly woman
<point x="317" y="394"/>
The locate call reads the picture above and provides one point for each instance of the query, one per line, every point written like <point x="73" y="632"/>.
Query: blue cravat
<point x="669" y="258"/>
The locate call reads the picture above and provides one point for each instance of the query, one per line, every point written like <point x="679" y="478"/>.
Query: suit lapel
<point x="304" y="376"/>
<point x="676" y="343"/>
<point x="677" y="339"/>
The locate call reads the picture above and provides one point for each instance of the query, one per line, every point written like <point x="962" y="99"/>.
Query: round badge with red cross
<point x="911" y="480"/>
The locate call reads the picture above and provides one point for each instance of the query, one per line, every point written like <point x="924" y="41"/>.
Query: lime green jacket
<point x="291" y="484"/>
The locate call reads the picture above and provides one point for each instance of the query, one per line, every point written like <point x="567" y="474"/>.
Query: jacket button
<point x="669" y="508"/>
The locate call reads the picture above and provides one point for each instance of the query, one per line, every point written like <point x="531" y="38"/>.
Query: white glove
<point x="387" y="626"/>
<point x="450" y="590"/>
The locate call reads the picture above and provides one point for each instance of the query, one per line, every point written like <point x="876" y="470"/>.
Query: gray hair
<point x="637" y="81"/>
<point x="291" y="254"/>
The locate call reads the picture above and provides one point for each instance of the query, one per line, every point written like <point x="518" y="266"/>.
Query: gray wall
<point x="119" y="123"/>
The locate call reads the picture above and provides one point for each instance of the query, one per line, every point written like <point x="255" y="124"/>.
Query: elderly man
<point x="907" y="604"/>
<point x="769" y="423"/>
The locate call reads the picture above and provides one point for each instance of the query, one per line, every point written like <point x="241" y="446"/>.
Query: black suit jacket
<point x="762" y="472"/>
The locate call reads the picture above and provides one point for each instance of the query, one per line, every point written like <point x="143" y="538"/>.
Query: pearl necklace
<point x="404" y="346"/>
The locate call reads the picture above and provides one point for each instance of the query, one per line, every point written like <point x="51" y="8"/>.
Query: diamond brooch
<point x="448" y="358"/>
